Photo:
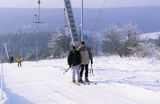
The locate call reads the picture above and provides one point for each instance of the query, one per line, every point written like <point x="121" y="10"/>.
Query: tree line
<point x="124" y="41"/>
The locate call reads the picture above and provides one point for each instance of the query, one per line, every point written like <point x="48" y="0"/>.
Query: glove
<point x="91" y="61"/>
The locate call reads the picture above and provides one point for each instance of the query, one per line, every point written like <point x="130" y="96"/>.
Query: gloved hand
<point x="91" y="61"/>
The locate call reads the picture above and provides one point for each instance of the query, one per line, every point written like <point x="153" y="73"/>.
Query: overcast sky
<point x="77" y="3"/>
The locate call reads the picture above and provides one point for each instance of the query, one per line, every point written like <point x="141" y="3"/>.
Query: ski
<point x="89" y="83"/>
<point x="85" y="83"/>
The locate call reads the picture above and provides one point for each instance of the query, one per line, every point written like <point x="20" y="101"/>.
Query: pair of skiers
<point x="79" y="60"/>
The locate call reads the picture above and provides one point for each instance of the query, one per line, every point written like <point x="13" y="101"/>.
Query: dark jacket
<point x="74" y="58"/>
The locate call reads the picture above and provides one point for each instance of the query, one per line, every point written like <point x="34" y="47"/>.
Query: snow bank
<point x="4" y="99"/>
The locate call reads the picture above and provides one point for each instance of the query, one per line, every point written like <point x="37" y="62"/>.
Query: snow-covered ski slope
<point x="120" y="81"/>
<point x="153" y="35"/>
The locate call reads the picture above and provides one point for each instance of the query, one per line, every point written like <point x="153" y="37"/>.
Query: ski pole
<point x="91" y="70"/>
<point x="66" y="70"/>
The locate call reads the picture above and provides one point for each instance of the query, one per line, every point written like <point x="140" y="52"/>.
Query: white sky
<point x="77" y="3"/>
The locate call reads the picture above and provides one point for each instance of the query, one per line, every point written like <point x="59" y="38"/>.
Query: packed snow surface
<point x="119" y="81"/>
<point x="153" y="35"/>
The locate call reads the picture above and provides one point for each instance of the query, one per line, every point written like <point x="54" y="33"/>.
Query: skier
<point x="74" y="63"/>
<point x="86" y="56"/>
<point x="19" y="60"/>
<point x="11" y="59"/>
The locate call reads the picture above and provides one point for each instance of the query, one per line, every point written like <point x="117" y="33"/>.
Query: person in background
<point x="11" y="59"/>
<point x="86" y="57"/>
<point x="74" y="63"/>
<point x="19" y="61"/>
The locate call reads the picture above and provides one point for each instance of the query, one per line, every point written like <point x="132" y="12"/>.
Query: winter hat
<point x="73" y="47"/>
<point x="82" y="42"/>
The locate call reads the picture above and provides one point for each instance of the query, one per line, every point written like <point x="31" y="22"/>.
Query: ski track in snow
<point x="120" y="81"/>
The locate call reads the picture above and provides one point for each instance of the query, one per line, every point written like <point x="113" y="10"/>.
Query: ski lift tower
<point x="38" y="21"/>
<point x="71" y="22"/>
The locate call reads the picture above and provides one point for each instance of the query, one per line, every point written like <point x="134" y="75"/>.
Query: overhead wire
<point x="99" y="15"/>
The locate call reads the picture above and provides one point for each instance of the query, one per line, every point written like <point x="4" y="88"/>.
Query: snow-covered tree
<point x="121" y="41"/>
<point x="158" y="42"/>
<point x="132" y="33"/>
<point x="59" y="43"/>
<point x="145" y="49"/>
<point x="112" y="39"/>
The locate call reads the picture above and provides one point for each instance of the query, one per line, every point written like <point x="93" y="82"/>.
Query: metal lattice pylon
<point x="70" y="21"/>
